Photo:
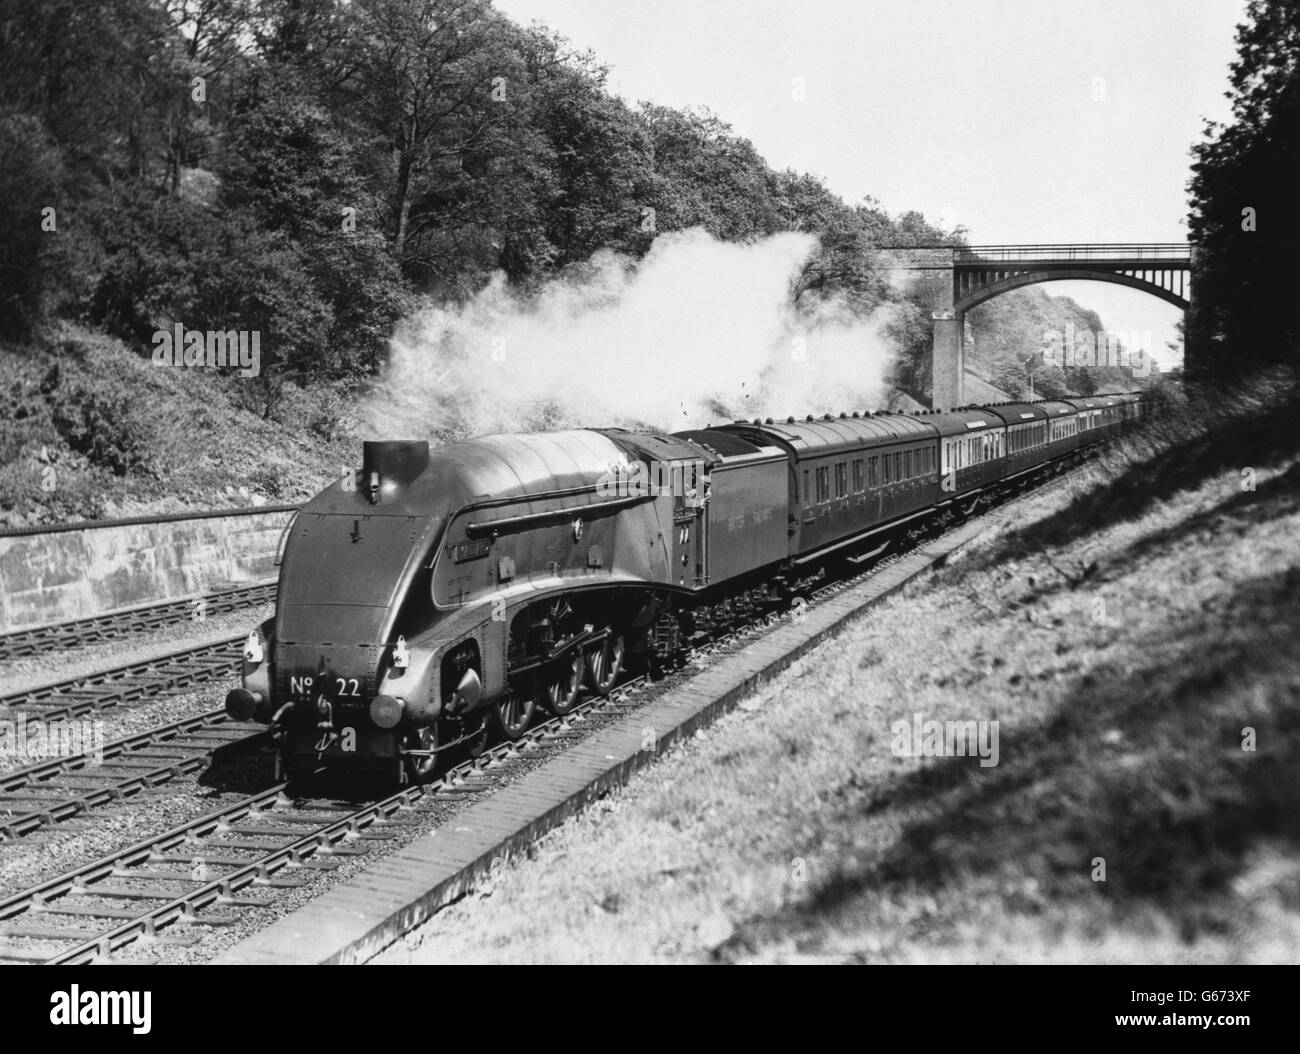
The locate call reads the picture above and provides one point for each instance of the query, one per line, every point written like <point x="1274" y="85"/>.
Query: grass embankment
<point x="90" y="430"/>
<point x="1130" y="632"/>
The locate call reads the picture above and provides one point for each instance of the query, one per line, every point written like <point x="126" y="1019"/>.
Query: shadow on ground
<point x="1141" y="764"/>
<point x="1254" y="428"/>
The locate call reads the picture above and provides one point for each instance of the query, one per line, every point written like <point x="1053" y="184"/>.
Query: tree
<point x="31" y="178"/>
<point x="293" y="167"/>
<point x="708" y="177"/>
<point x="423" y="75"/>
<point x="1245" y="220"/>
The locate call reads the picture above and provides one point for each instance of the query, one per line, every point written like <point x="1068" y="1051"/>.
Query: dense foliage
<point x="1245" y="216"/>
<point x="305" y="168"/>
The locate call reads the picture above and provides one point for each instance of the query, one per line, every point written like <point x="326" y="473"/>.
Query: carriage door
<point x="690" y="484"/>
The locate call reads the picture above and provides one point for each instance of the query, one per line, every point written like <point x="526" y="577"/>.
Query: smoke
<point x="697" y="332"/>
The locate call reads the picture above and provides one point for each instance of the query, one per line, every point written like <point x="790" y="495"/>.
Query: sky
<point x="1023" y="120"/>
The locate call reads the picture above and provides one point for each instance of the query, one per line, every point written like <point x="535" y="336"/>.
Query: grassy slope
<point x="124" y="436"/>
<point x="791" y="830"/>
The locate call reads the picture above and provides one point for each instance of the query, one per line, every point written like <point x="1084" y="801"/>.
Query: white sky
<point x="1024" y="120"/>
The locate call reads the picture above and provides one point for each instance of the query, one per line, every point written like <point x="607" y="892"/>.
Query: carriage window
<point x="857" y="475"/>
<point x="807" y="494"/>
<point x="873" y="472"/>
<point x="823" y="483"/>
<point x="841" y="480"/>
<point x="898" y="466"/>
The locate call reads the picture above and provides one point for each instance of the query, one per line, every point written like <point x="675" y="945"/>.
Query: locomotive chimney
<point x="391" y="465"/>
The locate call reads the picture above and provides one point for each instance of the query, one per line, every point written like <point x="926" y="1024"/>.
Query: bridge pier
<point x="961" y="277"/>
<point x="948" y="371"/>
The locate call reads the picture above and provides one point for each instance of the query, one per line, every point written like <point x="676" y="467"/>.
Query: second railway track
<point x="132" y="622"/>
<point x="187" y="879"/>
<point x="51" y="792"/>
<point x="143" y="679"/>
<point x="40" y="795"/>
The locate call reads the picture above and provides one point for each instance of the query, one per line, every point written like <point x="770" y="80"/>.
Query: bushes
<point x="99" y="422"/>
<point x="89" y="430"/>
<point x="171" y="260"/>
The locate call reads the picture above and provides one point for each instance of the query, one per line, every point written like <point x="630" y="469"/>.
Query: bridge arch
<point x="975" y="273"/>
<point x="1018" y="281"/>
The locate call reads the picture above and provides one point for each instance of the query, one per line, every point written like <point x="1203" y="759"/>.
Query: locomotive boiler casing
<point x="429" y="556"/>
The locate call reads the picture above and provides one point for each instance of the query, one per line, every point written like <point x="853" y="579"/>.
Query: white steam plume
<point x="697" y="332"/>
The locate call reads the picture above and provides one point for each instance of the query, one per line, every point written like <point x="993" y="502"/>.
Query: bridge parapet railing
<point x="1155" y="252"/>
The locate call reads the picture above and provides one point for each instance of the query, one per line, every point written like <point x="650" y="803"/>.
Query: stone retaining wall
<point x="46" y="578"/>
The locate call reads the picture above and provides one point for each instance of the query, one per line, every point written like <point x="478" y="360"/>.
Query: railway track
<point x="189" y="878"/>
<point x="192" y="876"/>
<point x="55" y="791"/>
<point x="52" y="792"/>
<point x="130" y="682"/>
<point x="133" y="622"/>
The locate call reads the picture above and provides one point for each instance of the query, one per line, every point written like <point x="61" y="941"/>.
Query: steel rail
<point x="150" y="758"/>
<point x="34" y="640"/>
<point x="142" y="679"/>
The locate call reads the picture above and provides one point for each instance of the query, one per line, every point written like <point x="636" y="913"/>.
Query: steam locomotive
<point x="435" y="598"/>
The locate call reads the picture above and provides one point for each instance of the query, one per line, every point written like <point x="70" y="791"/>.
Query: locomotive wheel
<point x="604" y="663"/>
<point x="513" y="713"/>
<point x="560" y="684"/>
